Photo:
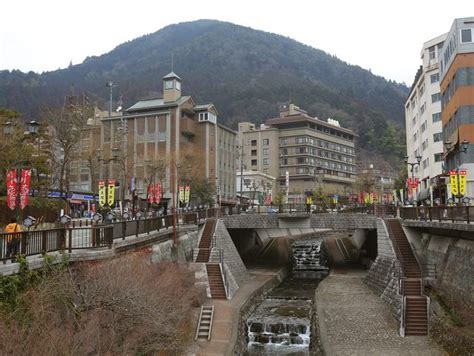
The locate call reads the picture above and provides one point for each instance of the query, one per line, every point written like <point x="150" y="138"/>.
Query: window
<point x="254" y="152"/>
<point x="423" y="127"/>
<point x="432" y="52"/>
<point x="266" y="141"/>
<point x="422" y="90"/>
<point x="253" y="142"/>
<point x="178" y="85"/>
<point x="434" y="78"/>
<point x="424" y="145"/>
<point x="466" y="35"/>
<point x="300" y="160"/>
<point x="254" y="162"/>
<point x="438" y="137"/>
<point x="168" y="84"/>
<point x="283" y="142"/>
<point x="414" y="137"/>
<point x="436" y="117"/>
<point x="435" y="98"/>
<point x="438" y="157"/>
<point x="266" y="161"/>
<point x="422" y="108"/>
<point x="265" y="151"/>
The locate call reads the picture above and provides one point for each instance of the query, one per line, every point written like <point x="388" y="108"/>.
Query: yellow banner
<point x="181" y="193"/>
<point x="111" y="193"/>
<point x="309" y="200"/>
<point x="453" y="180"/>
<point x="187" y="193"/>
<point x="102" y="198"/>
<point x="462" y="182"/>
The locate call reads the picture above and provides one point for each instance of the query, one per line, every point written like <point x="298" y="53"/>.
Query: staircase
<point x="416" y="313"/>
<point x="215" y="281"/>
<point x="206" y="239"/>
<point x="204" y="327"/>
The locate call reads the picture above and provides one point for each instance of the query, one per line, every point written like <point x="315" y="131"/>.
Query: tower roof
<point x="172" y="75"/>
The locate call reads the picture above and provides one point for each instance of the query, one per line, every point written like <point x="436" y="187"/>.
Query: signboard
<point x="24" y="187"/>
<point x="462" y="182"/>
<point x="12" y="186"/>
<point x="453" y="180"/>
<point x="181" y="194"/>
<point x="102" y="198"/>
<point x="111" y="193"/>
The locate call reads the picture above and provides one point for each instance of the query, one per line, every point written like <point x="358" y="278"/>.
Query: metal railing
<point x="439" y="213"/>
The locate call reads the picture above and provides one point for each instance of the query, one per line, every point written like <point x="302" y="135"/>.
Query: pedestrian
<point x="13" y="240"/>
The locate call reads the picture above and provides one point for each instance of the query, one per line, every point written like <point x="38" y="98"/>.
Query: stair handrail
<point x="210" y="323"/>
<point x="224" y="275"/>
<point x="403" y="316"/>
<point x="199" y="323"/>
<point x="391" y="235"/>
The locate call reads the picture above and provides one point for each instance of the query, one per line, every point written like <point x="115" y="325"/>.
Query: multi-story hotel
<point x="167" y="128"/>
<point x="315" y="153"/>
<point x="423" y="121"/>
<point x="457" y="98"/>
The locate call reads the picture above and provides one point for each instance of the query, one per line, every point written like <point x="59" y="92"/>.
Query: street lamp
<point x="412" y="166"/>
<point x="7" y="128"/>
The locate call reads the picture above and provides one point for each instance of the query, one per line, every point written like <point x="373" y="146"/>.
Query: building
<point x="257" y="187"/>
<point x="457" y="98"/>
<point x="314" y="152"/>
<point x="423" y="119"/>
<point x="161" y="139"/>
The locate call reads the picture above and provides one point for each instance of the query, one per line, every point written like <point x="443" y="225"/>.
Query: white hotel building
<point x="424" y="135"/>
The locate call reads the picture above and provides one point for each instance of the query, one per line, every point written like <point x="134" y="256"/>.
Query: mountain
<point x="246" y="73"/>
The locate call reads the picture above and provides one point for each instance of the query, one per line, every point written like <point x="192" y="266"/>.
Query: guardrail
<point x="439" y="213"/>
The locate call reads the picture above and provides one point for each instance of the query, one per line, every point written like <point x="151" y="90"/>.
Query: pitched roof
<point x="156" y="104"/>
<point x="171" y="75"/>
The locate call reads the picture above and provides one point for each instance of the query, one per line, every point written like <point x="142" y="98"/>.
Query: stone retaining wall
<point x="249" y="307"/>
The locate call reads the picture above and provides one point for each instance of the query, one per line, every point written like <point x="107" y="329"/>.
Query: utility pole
<point x="111" y="86"/>
<point x="241" y="170"/>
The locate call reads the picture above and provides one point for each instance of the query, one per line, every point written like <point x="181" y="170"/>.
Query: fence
<point x="439" y="213"/>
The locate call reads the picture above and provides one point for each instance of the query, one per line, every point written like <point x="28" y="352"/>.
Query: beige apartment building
<point x="315" y="153"/>
<point x="173" y="126"/>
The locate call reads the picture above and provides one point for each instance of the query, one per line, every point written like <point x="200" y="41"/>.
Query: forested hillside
<point x="246" y="73"/>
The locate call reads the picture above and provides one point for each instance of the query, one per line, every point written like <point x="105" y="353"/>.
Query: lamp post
<point x="456" y="150"/>
<point x="412" y="166"/>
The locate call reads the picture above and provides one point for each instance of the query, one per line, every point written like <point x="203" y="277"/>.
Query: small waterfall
<point x="309" y="259"/>
<point x="280" y="326"/>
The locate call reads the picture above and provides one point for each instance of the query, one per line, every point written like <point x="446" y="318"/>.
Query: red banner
<point x="12" y="187"/>
<point x="24" y="187"/>
<point x="150" y="195"/>
<point x="157" y="192"/>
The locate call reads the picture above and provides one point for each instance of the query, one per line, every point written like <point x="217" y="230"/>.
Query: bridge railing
<point x="439" y="213"/>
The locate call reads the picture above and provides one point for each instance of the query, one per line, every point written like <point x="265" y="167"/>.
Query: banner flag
<point x="157" y="193"/>
<point x="24" y="187"/>
<point x="187" y="194"/>
<point x="309" y="200"/>
<point x="462" y="182"/>
<point x="402" y="196"/>
<point x="453" y="180"/>
<point x="102" y="198"/>
<point x="12" y="186"/>
<point x="132" y="184"/>
<point x="150" y="194"/>
<point x="181" y="193"/>
<point x="111" y="193"/>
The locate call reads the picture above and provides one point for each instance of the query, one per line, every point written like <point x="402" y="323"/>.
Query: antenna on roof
<point x="172" y="61"/>
<point x="289" y="95"/>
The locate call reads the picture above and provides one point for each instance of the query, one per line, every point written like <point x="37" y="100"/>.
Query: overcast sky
<point x="383" y="36"/>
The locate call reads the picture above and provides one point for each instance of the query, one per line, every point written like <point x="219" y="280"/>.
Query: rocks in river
<point x="256" y="327"/>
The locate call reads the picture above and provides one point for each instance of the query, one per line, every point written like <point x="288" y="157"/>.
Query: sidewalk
<point x="226" y="315"/>
<point x="354" y="321"/>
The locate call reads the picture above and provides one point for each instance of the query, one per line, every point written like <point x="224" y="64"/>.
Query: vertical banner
<point x="462" y="182"/>
<point x="102" y="198"/>
<point x="453" y="180"/>
<point x="402" y="196"/>
<point x="181" y="193"/>
<point x="157" y="193"/>
<point x="12" y="186"/>
<point x="24" y="187"/>
<point x="150" y="194"/>
<point x="187" y="193"/>
<point x="111" y="193"/>
<point x="132" y="184"/>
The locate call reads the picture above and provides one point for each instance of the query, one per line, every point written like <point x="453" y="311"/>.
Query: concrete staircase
<point x="203" y="332"/>
<point x="205" y="243"/>
<point x="416" y="313"/>
<point x="216" y="283"/>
